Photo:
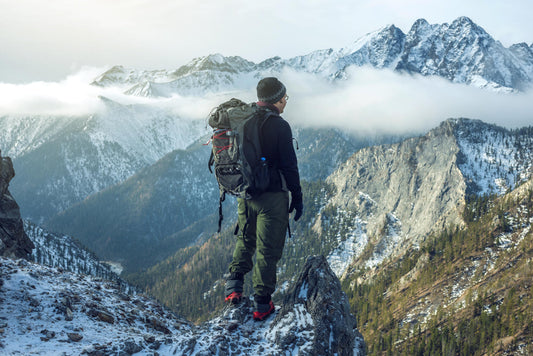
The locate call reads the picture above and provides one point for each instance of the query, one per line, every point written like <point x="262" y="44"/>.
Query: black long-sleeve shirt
<point x="278" y="149"/>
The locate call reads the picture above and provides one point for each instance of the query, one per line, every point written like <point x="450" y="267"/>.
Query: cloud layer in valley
<point x="369" y="100"/>
<point x="385" y="101"/>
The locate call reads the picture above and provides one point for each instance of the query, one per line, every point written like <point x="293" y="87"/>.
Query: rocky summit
<point x="46" y="310"/>
<point x="314" y="319"/>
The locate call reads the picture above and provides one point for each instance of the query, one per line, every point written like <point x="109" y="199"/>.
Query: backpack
<point x="239" y="166"/>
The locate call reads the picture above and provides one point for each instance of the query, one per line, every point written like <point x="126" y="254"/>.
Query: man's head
<point x="271" y="90"/>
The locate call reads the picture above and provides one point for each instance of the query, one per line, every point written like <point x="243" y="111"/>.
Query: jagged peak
<point x="115" y="69"/>
<point x="390" y="30"/>
<point x="217" y="59"/>
<point x="420" y="23"/>
<point x="319" y="292"/>
<point x="422" y="28"/>
<point x="466" y="23"/>
<point x="451" y="126"/>
<point x="462" y="24"/>
<point x="523" y="51"/>
<point x="464" y="20"/>
<point x="269" y="61"/>
<point x="470" y="124"/>
<point x="521" y="45"/>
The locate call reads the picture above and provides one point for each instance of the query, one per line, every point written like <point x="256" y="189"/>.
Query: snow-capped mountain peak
<point x="462" y="52"/>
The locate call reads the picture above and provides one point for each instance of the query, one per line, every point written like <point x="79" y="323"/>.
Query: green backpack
<point x="239" y="165"/>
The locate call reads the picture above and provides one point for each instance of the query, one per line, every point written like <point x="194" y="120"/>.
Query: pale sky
<point x="48" y="40"/>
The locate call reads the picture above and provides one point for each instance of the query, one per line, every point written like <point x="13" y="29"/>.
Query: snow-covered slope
<point x="61" y="160"/>
<point x="45" y="311"/>
<point x="65" y="253"/>
<point x="494" y="160"/>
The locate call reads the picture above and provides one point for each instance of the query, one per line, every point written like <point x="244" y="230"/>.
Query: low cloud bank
<point x="75" y="96"/>
<point x="72" y="96"/>
<point x="369" y="100"/>
<point x="373" y="100"/>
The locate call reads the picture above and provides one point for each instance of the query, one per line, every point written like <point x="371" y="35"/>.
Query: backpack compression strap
<point x="220" y="215"/>
<point x="211" y="162"/>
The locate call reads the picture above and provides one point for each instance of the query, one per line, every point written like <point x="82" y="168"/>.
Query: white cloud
<point x="370" y="100"/>
<point x="72" y="96"/>
<point x="385" y="101"/>
<point x="75" y="96"/>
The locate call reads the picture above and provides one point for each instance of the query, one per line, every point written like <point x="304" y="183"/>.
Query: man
<point x="264" y="220"/>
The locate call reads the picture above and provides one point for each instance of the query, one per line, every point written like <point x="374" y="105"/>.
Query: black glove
<point x="296" y="203"/>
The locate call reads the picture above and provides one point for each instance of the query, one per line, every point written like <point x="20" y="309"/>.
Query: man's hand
<point x="296" y="204"/>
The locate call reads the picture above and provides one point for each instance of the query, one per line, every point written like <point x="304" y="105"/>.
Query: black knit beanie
<point x="270" y="90"/>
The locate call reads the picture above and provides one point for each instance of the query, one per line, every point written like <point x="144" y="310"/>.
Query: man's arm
<point x="288" y="166"/>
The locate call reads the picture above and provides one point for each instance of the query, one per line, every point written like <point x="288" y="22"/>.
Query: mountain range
<point x="461" y="52"/>
<point x="131" y="183"/>
<point x="61" y="160"/>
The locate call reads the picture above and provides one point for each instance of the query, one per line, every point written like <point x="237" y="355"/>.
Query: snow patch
<point x="352" y="246"/>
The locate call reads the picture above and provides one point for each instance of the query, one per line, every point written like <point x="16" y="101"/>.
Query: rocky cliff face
<point x="14" y="242"/>
<point x="396" y="194"/>
<point x="318" y="292"/>
<point x="389" y="198"/>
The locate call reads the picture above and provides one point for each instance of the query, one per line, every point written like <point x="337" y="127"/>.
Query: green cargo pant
<point x="268" y="219"/>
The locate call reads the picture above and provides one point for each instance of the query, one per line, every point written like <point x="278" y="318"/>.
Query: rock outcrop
<point x="324" y="313"/>
<point x="314" y="319"/>
<point x="14" y="242"/>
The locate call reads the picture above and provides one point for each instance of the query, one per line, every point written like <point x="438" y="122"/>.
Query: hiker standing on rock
<point x="263" y="219"/>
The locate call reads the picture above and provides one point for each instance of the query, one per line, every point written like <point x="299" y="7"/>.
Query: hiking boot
<point x="234" y="288"/>
<point x="262" y="311"/>
<point x="234" y="298"/>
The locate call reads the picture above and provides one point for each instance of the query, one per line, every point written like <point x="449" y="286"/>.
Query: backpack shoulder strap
<point x="266" y="115"/>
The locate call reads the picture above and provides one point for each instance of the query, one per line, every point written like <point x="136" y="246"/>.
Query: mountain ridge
<point x="70" y="158"/>
<point x="421" y="185"/>
<point x="161" y="201"/>
<point x="462" y="52"/>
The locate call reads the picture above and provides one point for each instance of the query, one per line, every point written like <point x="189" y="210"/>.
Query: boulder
<point x="14" y="242"/>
